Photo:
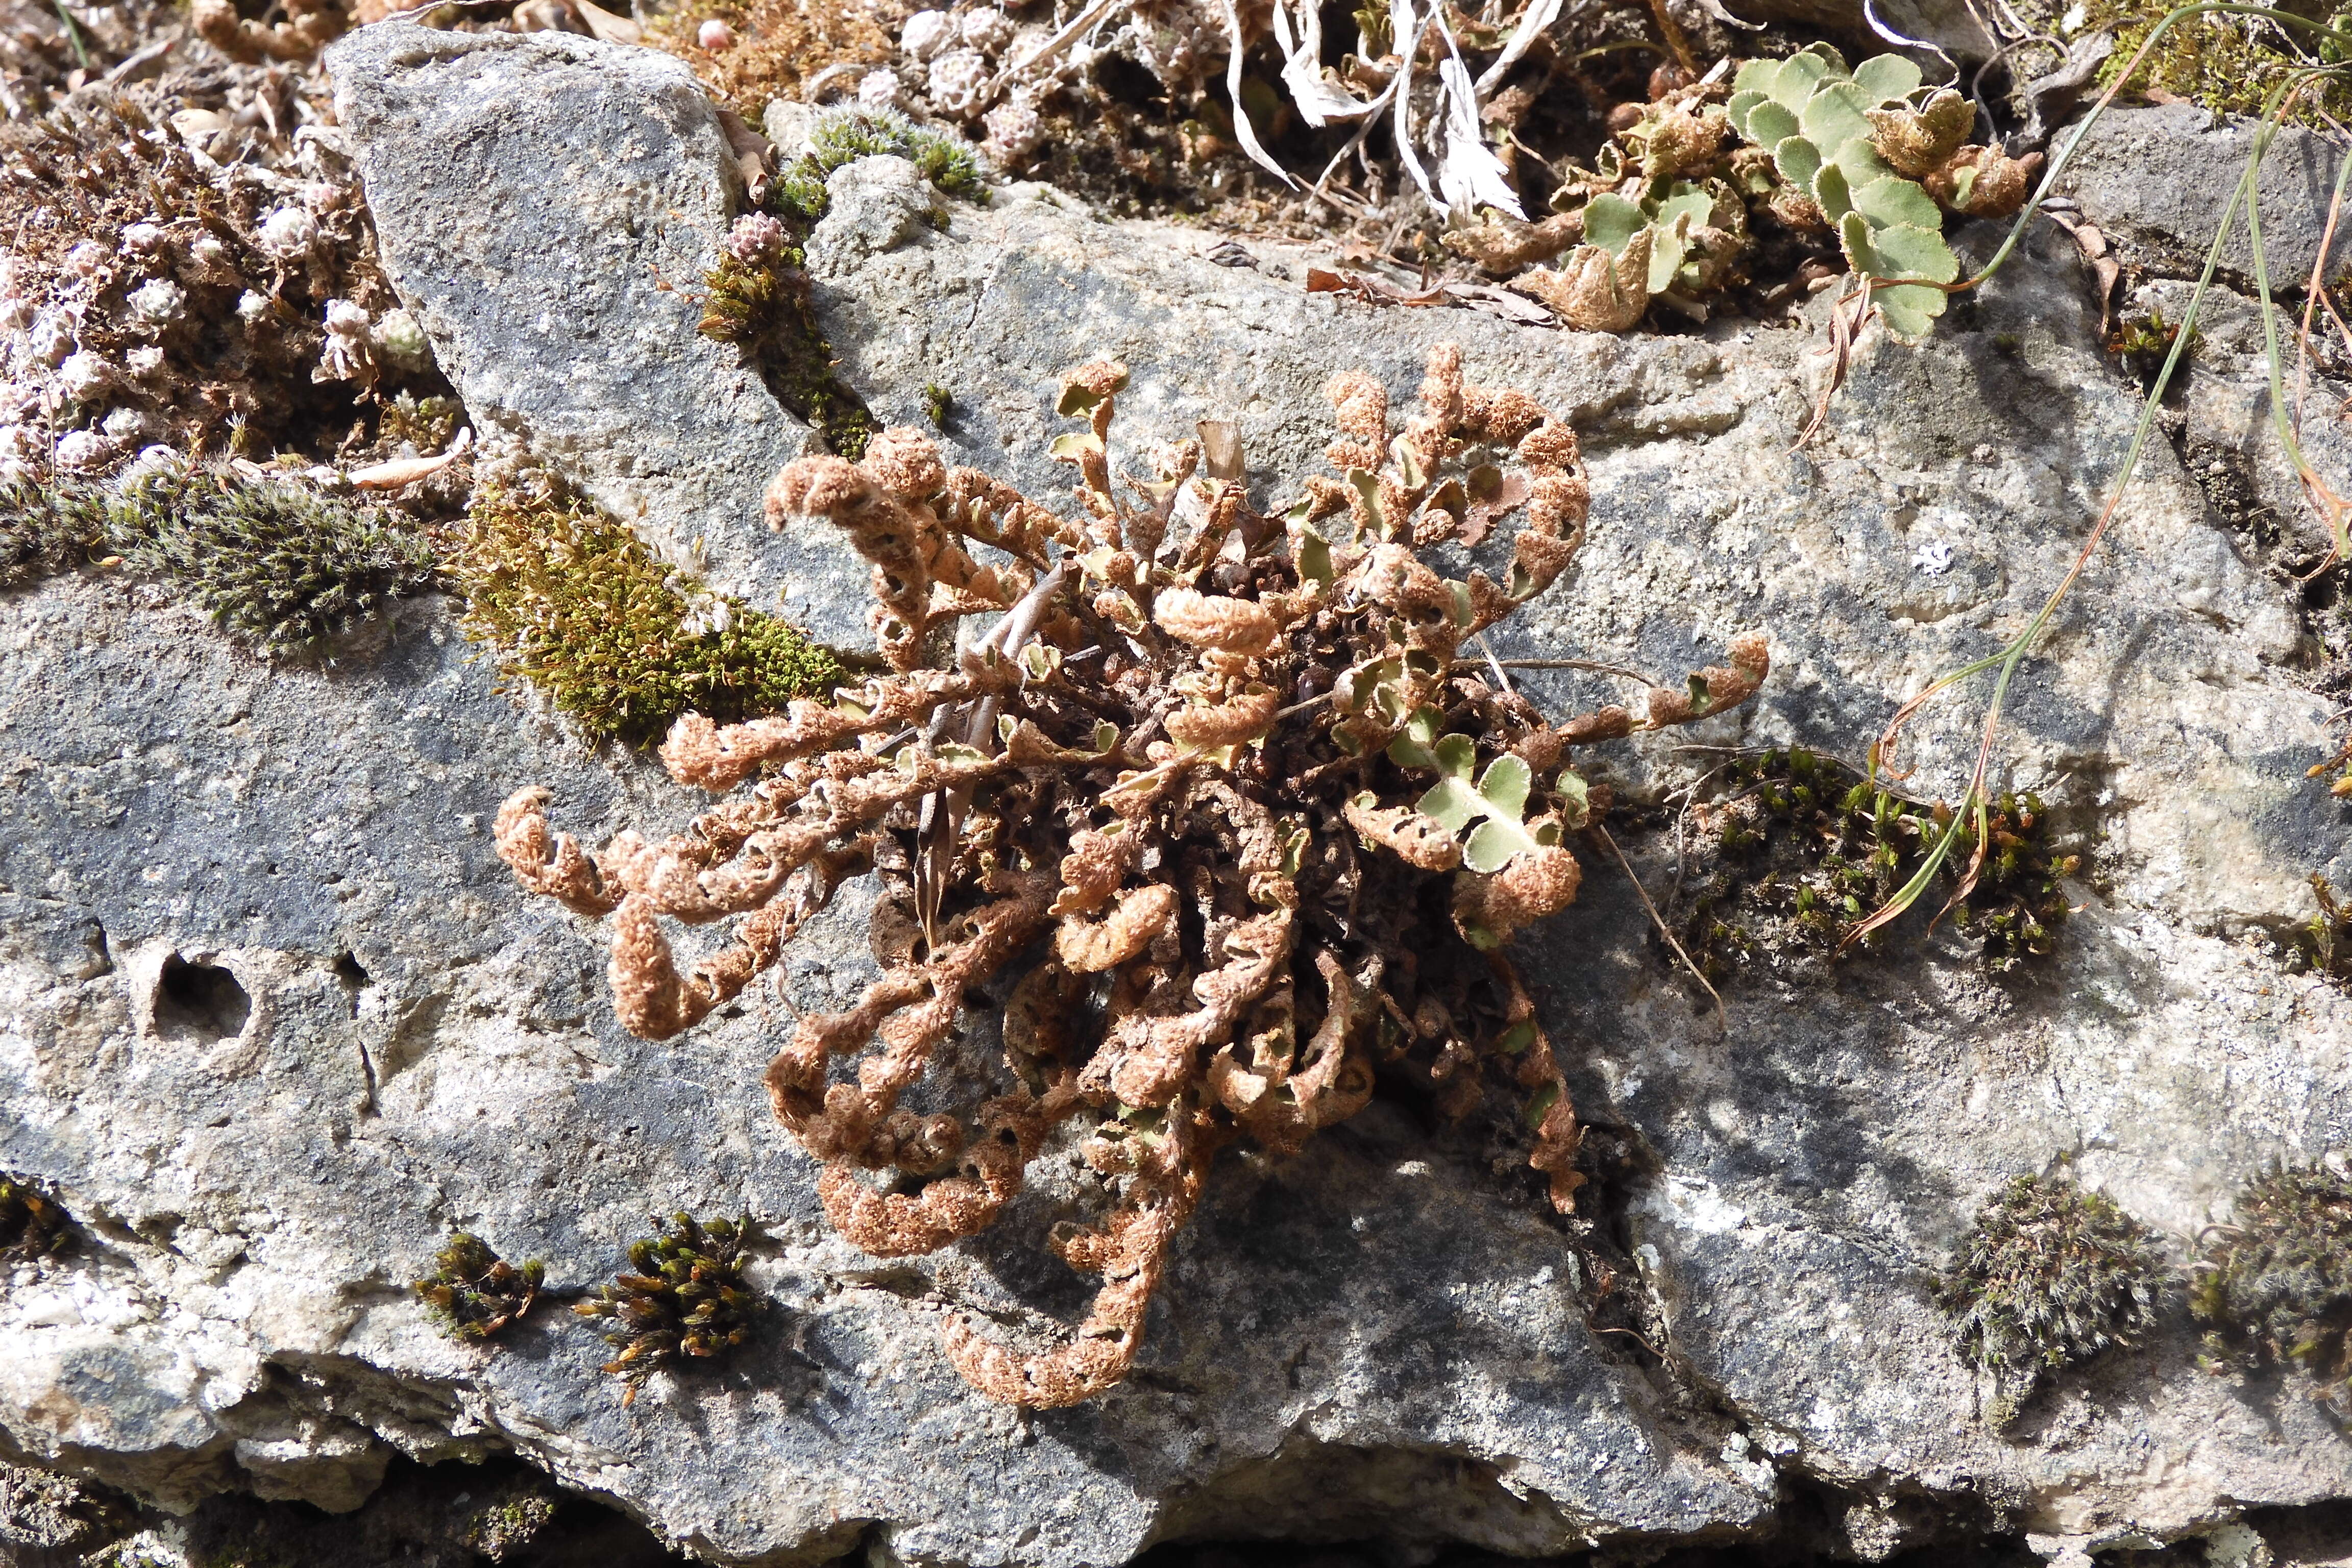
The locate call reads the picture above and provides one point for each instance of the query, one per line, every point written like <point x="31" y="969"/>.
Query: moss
<point x="682" y="1297"/>
<point x="2049" y="1277"/>
<point x="281" y="567"/>
<point x="586" y="614"/>
<point x="937" y="403"/>
<point x="2227" y="63"/>
<point x="474" y="1292"/>
<point x="1805" y="846"/>
<point x="2323" y="944"/>
<point x="844" y="138"/>
<point x="2142" y="342"/>
<point x="762" y="306"/>
<point x="500" y="1529"/>
<point x="41" y="537"/>
<point x="2276" y="1285"/>
<point x="278" y="566"/>
<point x="428" y="423"/>
<point x="761" y="301"/>
<point x="31" y="1224"/>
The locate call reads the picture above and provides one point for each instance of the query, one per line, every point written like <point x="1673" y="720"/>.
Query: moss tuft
<point x="586" y="614"/>
<point x="762" y="304"/>
<point x="281" y="567"/>
<point x="682" y="1297"/>
<point x="2227" y="63"/>
<point x="31" y="1225"/>
<point x="1805" y="846"/>
<point x="474" y="1292"/>
<point x="842" y="139"/>
<point x="2277" y="1285"/>
<point x="2323" y="944"/>
<point x="2050" y="1277"/>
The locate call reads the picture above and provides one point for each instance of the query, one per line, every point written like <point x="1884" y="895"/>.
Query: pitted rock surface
<point x="1382" y="1336"/>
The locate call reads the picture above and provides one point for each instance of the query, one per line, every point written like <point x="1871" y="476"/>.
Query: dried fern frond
<point x="1218" y="788"/>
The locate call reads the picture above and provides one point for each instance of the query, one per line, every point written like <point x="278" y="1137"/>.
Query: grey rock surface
<point x="1383" y="1335"/>
<point x="546" y="205"/>
<point x="2156" y="179"/>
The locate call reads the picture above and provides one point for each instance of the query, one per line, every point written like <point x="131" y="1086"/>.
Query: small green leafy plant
<point x="1874" y="150"/>
<point x="683" y="1297"/>
<point x="2049" y="1277"/>
<point x="1868" y="159"/>
<point x="473" y="1292"/>
<point x="2277" y="1285"/>
<point x="580" y="608"/>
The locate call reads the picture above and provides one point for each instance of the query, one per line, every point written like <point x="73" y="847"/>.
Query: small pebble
<point x="714" y="36"/>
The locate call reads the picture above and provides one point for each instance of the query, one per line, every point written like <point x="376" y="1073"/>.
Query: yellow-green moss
<point x="762" y="306"/>
<point x="2227" y="63"/>
<point x="582" y="609"/>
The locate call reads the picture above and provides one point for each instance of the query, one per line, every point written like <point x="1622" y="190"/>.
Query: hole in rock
<point x="199" y="1001"/>
<point x="348" y="971"/>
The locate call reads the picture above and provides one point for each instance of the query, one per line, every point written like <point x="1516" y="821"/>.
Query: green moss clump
<point x="762" y="306"/>
<point x="2229" y="64"/>
<point x="757" y="297"/>
<point x="281" y="567"/>
<point x="586" y="614"/>
<point x="31" y="1226"/>
<point x="1806" y="847"/>
<point x="474" y="1292"/>
<point x="842" y="139"/>
<point x="2276" y="1285"/>
<point x="682" y="1297"/>
<point x="2049" y="1277"/>
<point x="501" y="1528"/>
<point x="42" y="533"/>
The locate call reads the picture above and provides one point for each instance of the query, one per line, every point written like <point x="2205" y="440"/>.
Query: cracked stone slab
<point x="546" y="205"/>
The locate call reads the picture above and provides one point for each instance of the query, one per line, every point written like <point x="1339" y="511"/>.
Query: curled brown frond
<point x="1214" y="802"/>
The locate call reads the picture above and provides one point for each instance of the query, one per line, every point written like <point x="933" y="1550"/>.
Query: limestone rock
<point x="2156" y="179"/>
<point x="546" y="205"/>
